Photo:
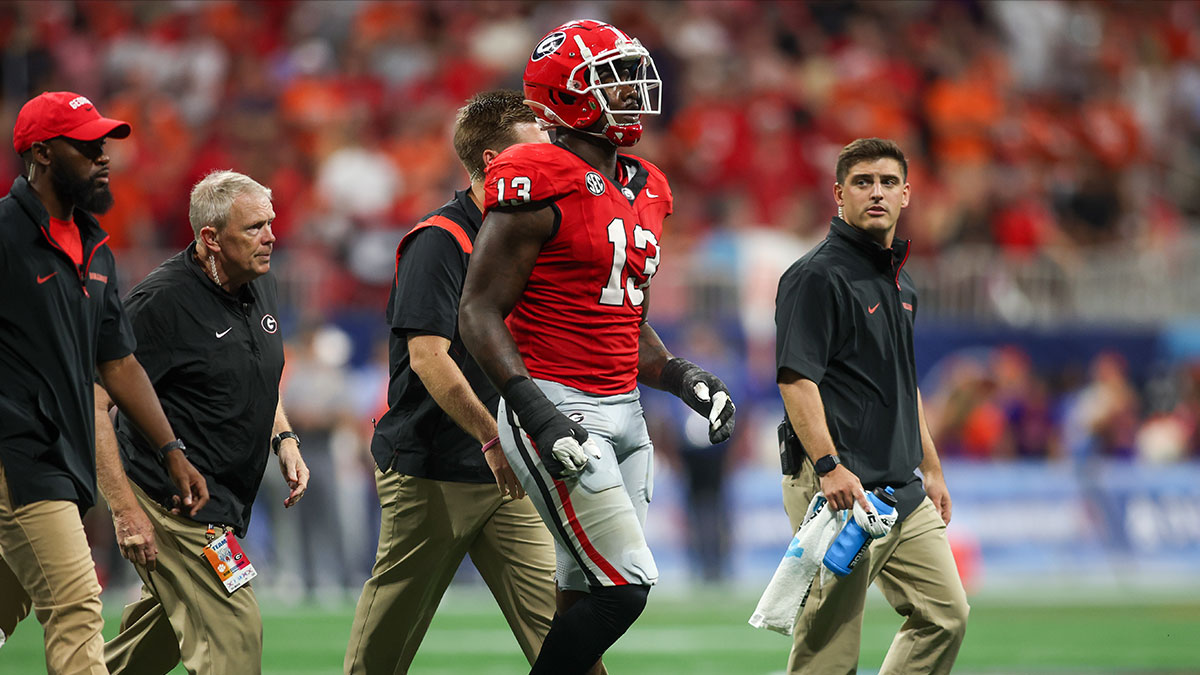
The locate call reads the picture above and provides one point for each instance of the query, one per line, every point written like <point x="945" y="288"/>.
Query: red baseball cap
<point x="62" y="113"/>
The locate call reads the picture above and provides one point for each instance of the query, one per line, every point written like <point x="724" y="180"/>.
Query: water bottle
<point x="852" y="541"/>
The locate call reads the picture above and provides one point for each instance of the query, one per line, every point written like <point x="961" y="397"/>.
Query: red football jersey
<point x="577" y="322"/>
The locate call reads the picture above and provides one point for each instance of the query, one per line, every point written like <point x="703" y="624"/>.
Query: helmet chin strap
<point x="548" y="119"/>
<point x="553" y="121"/>
<point x="595" y="134"/>
<point x="612" y="124"/>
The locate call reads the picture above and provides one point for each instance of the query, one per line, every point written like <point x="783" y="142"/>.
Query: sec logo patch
<point x="595" y="183"/>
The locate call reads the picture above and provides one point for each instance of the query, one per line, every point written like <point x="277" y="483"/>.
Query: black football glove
<point x="562" y="443"/>
<point x="703" y="392"/>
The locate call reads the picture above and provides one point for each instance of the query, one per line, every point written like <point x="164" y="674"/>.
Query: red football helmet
<point x="575" y="69"/>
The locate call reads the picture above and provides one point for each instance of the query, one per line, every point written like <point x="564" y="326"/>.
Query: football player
<point x="554" y="310"/>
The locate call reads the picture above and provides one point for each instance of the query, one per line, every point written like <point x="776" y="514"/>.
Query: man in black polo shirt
<point x="207" y="328"/>
<point x="846" y="371"/>
<point x="439" y="462"/>
<point x="61" y="324"/>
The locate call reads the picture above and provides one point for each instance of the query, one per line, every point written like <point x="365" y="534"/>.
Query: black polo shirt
<point x="57" y="321"/>
<point x="215" y="360"/>
<point x="415" y="436"/>
<point x="844" y="319"/>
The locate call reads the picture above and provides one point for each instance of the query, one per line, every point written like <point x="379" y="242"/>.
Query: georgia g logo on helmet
<point x="548" y="45"/>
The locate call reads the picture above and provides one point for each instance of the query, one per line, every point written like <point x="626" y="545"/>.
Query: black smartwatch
<point x="826" y="464"/>
<point x="176" y="444"/>
<point x="279" y="439"/>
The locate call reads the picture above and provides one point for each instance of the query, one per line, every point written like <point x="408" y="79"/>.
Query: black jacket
<point x="57" y="321"/>
<point x="215" y="360"/>
<point x="844" y="318"/>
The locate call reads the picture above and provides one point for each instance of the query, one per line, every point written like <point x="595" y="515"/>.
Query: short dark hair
<point x="486" y="123"/>
<point x="867" y="149"/>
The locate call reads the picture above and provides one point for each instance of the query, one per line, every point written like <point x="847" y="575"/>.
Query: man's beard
<point x="83" y="193"/>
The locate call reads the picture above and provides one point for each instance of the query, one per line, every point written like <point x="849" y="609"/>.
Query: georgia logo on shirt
<point x="269" y="324"/>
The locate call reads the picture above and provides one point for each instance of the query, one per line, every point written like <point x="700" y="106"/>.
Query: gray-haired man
<point x="208" y="336"/>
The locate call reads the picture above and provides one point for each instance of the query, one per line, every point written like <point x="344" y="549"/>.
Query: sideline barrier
<point x="1106" y="522"/>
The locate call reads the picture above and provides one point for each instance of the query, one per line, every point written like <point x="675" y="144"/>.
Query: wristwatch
<point x="176" y="444"/>
<point x="826" y="464"/>
<point x="279" y="439"/>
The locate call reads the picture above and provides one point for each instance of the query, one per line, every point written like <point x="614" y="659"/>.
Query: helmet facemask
<point x="627" y="64"/>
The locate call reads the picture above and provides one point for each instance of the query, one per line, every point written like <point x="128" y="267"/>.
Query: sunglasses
<point x="89" y="149"/>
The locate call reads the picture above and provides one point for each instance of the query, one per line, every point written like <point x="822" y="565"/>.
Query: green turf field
<point x="707" y="635"/>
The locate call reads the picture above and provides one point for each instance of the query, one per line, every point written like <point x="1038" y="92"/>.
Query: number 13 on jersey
<point x="614" y="291"/>
<point x="517" y="194"/>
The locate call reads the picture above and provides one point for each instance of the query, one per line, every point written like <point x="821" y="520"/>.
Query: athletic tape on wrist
<point x="674" y="373"/>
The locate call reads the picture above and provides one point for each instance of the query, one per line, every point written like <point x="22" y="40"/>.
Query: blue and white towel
<point x="788" y="591"/>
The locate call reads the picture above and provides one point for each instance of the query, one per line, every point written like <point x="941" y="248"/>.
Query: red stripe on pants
<point x="594" y="555"/>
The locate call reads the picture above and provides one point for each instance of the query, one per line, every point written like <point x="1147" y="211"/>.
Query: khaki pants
<point x="913" y="567"/>
<point x="427" y="528"/>
<point x="46" y="564"/>
<point x="185" y="613"/>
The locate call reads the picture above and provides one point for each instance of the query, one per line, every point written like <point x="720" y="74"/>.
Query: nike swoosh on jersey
<point x="651" y="195"/>
<point x="871" y="310"/>
<point x="43" y="279"/>
<point x="224" y="332"/>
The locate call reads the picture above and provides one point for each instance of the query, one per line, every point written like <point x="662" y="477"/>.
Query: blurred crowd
<point x="993" y="405"/>
<point x="1028" y="124"/>
<point x="1033" y="128"/>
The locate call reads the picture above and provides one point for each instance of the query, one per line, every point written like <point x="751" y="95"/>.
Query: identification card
<point x="228" y="560"/>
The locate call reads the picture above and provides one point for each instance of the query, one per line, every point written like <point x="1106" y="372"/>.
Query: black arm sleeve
<point x="808" y="323"/>
<point x="116" y="334"/>
<point x="153" y="318"/>
<point x="429" y="282"/>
